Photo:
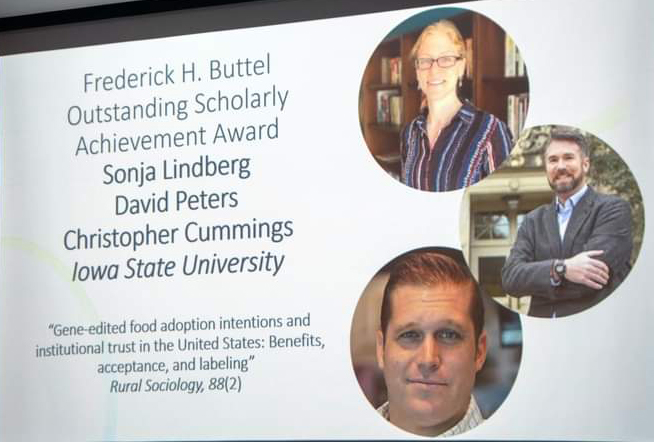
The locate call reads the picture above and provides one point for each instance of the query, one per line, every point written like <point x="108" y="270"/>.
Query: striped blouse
<point x="468" y="149"/>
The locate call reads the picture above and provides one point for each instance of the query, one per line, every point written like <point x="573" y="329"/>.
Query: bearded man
<point x="571" y="254"/>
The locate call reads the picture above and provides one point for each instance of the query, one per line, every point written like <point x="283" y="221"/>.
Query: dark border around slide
<point x="146" y="19"/>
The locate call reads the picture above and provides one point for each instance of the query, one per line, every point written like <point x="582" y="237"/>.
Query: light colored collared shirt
<point x="470" y="420"/>
<point x="564" y="211"/>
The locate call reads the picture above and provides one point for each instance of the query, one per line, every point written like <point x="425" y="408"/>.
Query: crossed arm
<point x="606" y="249"/>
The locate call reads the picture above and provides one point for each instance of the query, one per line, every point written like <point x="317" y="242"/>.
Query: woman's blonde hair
<point x="446" y="27"/>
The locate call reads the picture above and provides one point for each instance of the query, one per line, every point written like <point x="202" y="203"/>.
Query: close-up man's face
<point x="566" y="167"/>
<point x="429" y="356"/>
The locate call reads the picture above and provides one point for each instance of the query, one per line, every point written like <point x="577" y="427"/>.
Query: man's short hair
<point x="564" y="133"/>
<point x="429" y="268"/>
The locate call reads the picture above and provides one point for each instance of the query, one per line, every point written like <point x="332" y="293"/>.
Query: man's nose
<point x="429" y="357"/>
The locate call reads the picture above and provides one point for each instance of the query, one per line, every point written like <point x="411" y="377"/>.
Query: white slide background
<point x="582" y="377"/>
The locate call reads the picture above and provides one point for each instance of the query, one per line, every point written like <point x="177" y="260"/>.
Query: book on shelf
<point x="396" y="109"/>
<point x="509" y="57"/>
<point x="468" y="43"/>
<point x="517" y="112"/>
<point x="520" y="65"/>
<point x="391" y="70"/>
<point x="385" y="70"/>
<point x="396" y="70"/>
<point x="384" y="105"/>
<point x="514" y="65"/>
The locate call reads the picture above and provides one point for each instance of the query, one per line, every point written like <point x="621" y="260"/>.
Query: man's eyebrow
<point x="411" y="324"/>
<point x="442" y="323"/>
<point x="452" y="323"/>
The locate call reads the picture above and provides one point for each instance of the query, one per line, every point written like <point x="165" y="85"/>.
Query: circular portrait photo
<point x="558" y="227"/>
<point x="431" y="353"/>
<point x="441" y="99"/>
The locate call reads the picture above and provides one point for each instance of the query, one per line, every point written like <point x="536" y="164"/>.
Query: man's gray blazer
<point x="598" y="222"/>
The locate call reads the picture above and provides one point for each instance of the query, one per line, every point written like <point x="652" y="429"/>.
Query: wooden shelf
<point x="383" y="87"/>
<point x="390" y="159"/>
<point x="386" y="127"/>
<point x="507" y="85"/>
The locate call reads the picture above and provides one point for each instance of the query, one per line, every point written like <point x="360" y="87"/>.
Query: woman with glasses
<point x="451" y="144"/>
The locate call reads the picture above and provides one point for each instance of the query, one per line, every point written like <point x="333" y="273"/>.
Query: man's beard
<point x="565" y="187"/>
